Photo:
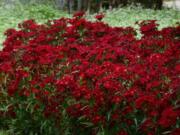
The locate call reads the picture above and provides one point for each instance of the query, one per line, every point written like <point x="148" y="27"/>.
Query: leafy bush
<point x="129" y="15"/>
<point x="76" y="77"/>
<point x="3" y="133"/>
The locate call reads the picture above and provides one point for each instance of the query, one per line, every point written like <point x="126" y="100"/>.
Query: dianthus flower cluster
<point x="96" y="77"/>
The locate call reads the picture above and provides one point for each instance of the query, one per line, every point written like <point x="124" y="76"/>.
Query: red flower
<point x="145" y="102"/>
<point x="97" y="119"/>
<point x="116" y="99"/>
<point x="99" y="17"/>
<point x="168" y="117"/>
<point x="176" y="131"/>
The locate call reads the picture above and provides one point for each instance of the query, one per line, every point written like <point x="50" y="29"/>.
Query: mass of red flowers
<point x="91" y="76"/>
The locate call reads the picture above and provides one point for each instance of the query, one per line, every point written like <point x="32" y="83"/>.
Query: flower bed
<point x="76" y="77"/>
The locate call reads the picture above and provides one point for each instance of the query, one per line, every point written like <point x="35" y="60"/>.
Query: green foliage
<point x="43" y="12"/>
<point x="129" y="15"/>
<point x="3" y="132"/>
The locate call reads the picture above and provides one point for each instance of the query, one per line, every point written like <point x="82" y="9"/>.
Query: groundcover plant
<point x="71" y="76"/>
